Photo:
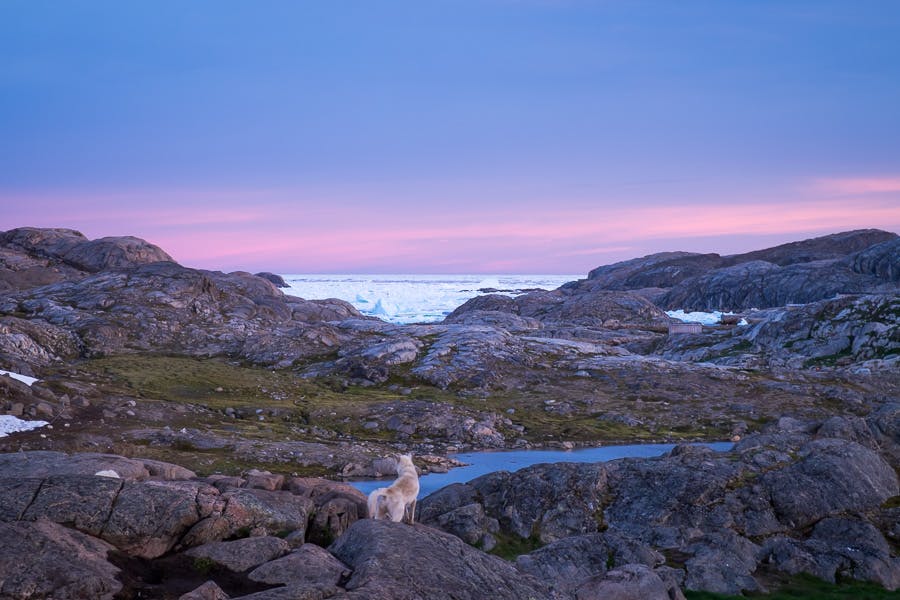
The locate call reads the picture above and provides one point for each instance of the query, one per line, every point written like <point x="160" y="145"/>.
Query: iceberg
<point x="413" y="298"/>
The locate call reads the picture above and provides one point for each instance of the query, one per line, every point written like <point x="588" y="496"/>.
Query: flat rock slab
<point x="308" y="564"/>
<point x="46" y="560"/>
<point x="241" y="555"/>
<point x="46" y="463"/>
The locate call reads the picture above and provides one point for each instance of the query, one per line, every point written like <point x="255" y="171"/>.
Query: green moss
<point x="204" y="565"/>
<point x="511" y="546"/>
<point x="893" y="502"/>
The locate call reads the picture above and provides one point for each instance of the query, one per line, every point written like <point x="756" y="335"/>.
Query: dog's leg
<point x="375" y="504"/>
<point x="412" y="512"/>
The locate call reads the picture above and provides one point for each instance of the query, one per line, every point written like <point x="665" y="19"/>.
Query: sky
<point x="449" y="136"/>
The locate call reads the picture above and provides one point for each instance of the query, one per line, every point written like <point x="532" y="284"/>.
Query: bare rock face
<point x="629" y="582"/>
<point x="856" y="327"/>
<point x="44" y="463"/>
<point x="760" y="284"/>
<point x="25" y="344"/>
<point x="72" y="248"/>
<point x="833" y="476"/>
<point x="570" y="306"/>
<point x="337" y="506"/>
<point x="836" y="245"/>
<point x="568" y="564"/>
<point x="277" y="280"/>
<point x="381" y="553"/>
<point x="307" y="565"/>
<point x="548" y="501"/>
<point x="881" y="260"/>
<point x="662" y="270"/>
<point x="243" y="554"/>
<point x="862" y="261"/>
<point x="162" y="305"/>
<point x="46" y="560"/>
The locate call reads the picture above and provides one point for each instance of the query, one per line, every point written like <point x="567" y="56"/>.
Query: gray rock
<point x="381" y="553"/>
<point x="547" y="501"/>
<point x="276" y="280"/>
<point x="149" y="518"/>
<point x="207" y="591"/>
<point x="296" y="592"/>
<point x="84" y="502"/>
<point x="42" y="463"/>
<point x="881" y="260"/>
<point x="568" y="563"/>
<point x="858" y="549"/>
<point x="629" y="582"/>
<point x="259" y="512"/>
<point x="241" y="555"/>
<point x="832" y="476"/>
<point x="308" y="564"/>
<point x="722" y="562"/>
<point x="46" y="560"/>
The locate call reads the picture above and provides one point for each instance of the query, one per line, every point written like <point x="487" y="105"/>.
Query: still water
<point x="480" y="463"/>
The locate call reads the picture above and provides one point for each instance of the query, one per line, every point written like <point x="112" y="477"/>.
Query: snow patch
<point x="10" y="424"/>
<point x="107" y="473"/>
<point x="23" y="378"/>
<point x="706" y="318"/>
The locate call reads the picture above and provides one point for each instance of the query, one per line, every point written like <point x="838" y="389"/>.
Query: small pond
<point x="480" y="463"/>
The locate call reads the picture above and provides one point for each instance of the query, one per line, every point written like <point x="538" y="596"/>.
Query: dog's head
<point x="404" y="461"/>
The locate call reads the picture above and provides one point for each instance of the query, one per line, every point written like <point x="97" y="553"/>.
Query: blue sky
<point x="436" y="136"/>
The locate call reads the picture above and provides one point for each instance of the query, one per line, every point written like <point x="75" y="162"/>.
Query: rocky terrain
<point x="818" y="498"/>
<point x="145" y="364"/>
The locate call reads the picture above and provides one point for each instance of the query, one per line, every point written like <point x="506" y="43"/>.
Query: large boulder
<point x="45" y="560"/>
<point x="243" y="554"/>
<point x="569" y="563"/>
<point x="628" y="582"/>
<point x="307" y="565"/>
<point x="548" y="502"/>
<point x="832" y="477"/>
<point x="400" y="562"/>
<point x="881" y="260"/>
<point x="257" y="512"/>
<point x="837" y="547"/>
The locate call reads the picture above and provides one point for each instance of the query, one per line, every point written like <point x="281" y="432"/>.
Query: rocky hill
<point x="140" y="357"/>
<point x="853" y="262"/>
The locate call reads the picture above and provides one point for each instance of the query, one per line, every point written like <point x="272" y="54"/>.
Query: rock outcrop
<point x="801" y="497"/>
<point x="382" y="553"/>
<point x="723" y="515"/>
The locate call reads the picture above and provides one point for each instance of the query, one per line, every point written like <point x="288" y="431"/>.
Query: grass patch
<point x="807" y="587"/>
<point x="893" y="502"/>
<point x="509" y="546"/>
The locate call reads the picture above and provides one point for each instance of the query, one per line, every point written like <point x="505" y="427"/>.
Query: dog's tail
<point x="375" y="497"/>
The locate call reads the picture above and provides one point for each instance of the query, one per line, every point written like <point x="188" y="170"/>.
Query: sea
<point x="414" y="298"/>
<point x="430" y="298"/>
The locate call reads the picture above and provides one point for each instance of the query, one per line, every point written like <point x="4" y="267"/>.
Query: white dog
<point x="392" y="502"/>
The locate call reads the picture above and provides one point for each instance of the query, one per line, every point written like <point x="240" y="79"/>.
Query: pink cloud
<point x="315" y="230"/>
<point x="859" y="185"/>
